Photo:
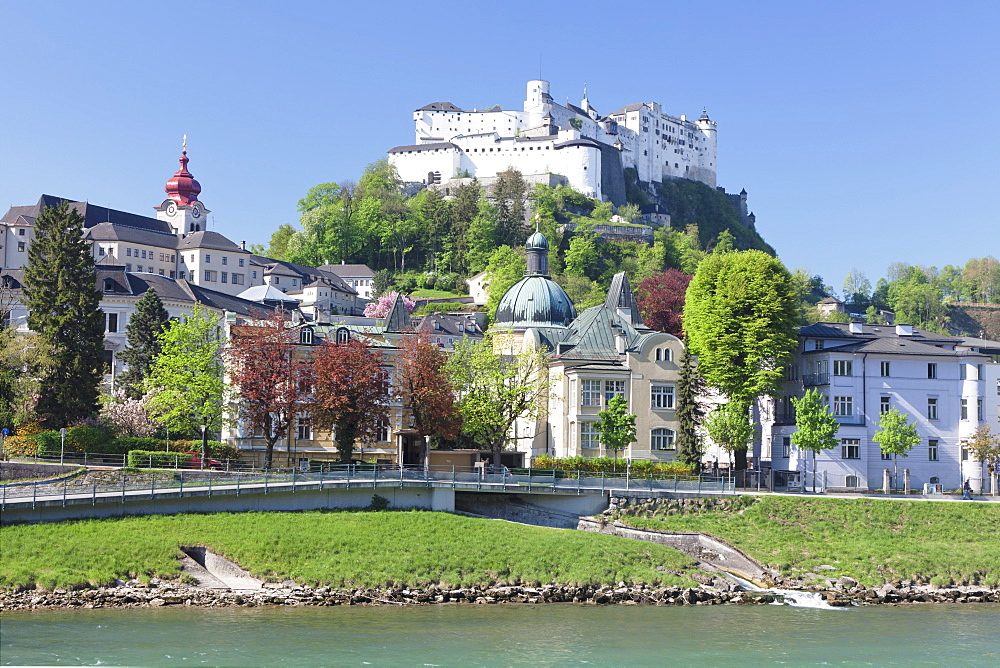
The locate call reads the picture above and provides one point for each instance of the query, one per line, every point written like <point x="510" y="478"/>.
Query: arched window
<point x="343" y="335"/>
<point x="852" y="481"/>
<point x="306" y="336"/>
<point x="935" y="480"/>
<point x="662" y="438"/>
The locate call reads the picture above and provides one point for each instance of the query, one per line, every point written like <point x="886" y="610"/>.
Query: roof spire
<point x="182" y="187"/>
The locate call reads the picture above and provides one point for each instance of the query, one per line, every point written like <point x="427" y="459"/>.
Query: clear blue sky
<point x="865" y="132"/>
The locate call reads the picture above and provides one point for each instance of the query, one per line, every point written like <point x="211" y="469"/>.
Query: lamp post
<point x="204" y="444"/>
<point x="62" y="447"/>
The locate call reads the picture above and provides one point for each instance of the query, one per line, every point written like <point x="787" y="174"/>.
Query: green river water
<point x="469" y="635"/>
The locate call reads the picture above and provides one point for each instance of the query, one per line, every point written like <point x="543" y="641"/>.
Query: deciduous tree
<point x="187" y="377"/>
<point x="351" y="393"/>
<point x="984" y="446"/>
<point x="661" y="300"/>
<point x="729" y="427"/>
<point x="64" y="309"/>
<point x="425" y="389"/>
<point x="896" y="436"/>
<point x="815" y="427"/>
<point x="495" y="389"/>
<point x="616" y="425"/>
<point x="739" y="316"/>
<point x="272" y="380"/>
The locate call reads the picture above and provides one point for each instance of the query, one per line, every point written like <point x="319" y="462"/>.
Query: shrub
<point x="141" y="459"/>
<point x="122" y="444"/>
<point x="21" y="442"/>
<point x="447" y="282"/>
<point x="86" y="438"/>
<point x="378" y="502"/>
<point x="48" y="442"/>
<point x="223" y="451"/>
<point x="638" y="467"/>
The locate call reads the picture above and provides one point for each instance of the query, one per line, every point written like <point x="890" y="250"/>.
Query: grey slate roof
<point x="135" y="235"/>
<point x="835" y="330"/>
<point x="893" y="346"/>
<point x="439" y="106"/>
<point x="423" y="147"/>
<point x="92" y="215"/>
<point x="348" y="270"/>
<point x="209" y="240"/>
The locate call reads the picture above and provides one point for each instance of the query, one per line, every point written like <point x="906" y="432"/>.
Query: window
<point x="842" y="368"/>
<point x="173" y="274"/>
<point x="932" y="370"/>
<point x="850" y="448"/>
<point x="237" y="279"/>
<point x="209" y="275"/>
<point x="162" y="257"/>
<point x="303" y="429"/>
<point x="843" y="405"/>
<point x="254" y="274"/>
<point x="192" y="257"/>
<point x="792" y="372"/>
<point x="932" y="408"/>
<point x="112" y="322"/>
<point x="139" y="269"/>
<point x="932" y="450"/>
<point x="613" y="388"/>
<point x="962" y="371"/>
<point x="965" y="452"/>
<point x="786" y="446"/>
<point x="884" y="367"/>
<point x="183" y="274"/>
<point x="20" y="232"/>
<point x="664" y="354"/>
<point x="128" y="252"/>
<point x="306" y="336"/>
<point x="225" y="277"/>
<point x="241" y="261"/>
<point x="591" y="393"/>
<point x="225" y="260"/>
<point x="851" y="481"/>
<point x="819" y="344"/>
<point x="884" y="456"/>
<point x="101" y="250"/>
<point x="589" y="437"/>
<point x="343" y="335"/>
<point x="662" y="397"/>
<point x="884" y="405"/>
<point x="128" y="266"/>
<point x="965" y="409"/>
<point x="109" y="285"/>
<point x="979" y="409"/>
<point x="20" y="246"/>
<point x="208" y="258"/>
<point x="275" y="280"/>
<point x="143" y="254"/>
<point x="662" y="439"/>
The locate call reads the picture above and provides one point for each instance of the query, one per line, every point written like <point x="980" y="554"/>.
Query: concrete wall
<point x="356" y="497"/>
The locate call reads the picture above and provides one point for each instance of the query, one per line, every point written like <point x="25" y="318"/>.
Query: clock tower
<point x="181" y="209"/>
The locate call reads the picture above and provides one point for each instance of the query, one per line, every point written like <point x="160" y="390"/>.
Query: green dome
<point x="537" y="241"/>
<point x="535" y="301"/>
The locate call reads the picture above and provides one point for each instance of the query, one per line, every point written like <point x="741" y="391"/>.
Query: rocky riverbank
<point x="158" y="593"/>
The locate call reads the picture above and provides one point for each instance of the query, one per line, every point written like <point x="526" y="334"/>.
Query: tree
<point x="510" y="195"/>
<point x="351" y="393"/>
<point x="64" y="309"/>
<point x="426" y="390"/>
<point x="690" y="386"/>
<point x="739" y="316"/>
<point x="857" y="287"/>
<point x="142" y="336"/>
<point x="495" y="389"/>
<point x="729" y="427"/>
<point x="506" y="267"/>
<point x="186" y="379"/>
<point x="127" y="416"/>
<point x="816" y="428"/>
<point x="272" y="380"/>
<point x="984" y="446"/>
<point x="896" y="436"/>
<point x="380" y="307"/>
<point x="661" y="300"/>
<point x="616" y="425"/>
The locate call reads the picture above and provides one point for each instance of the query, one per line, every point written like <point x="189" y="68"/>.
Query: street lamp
<point x="62" y="448"/>
<point x="204" y="444"/>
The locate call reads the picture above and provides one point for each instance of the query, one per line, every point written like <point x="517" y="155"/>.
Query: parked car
<point x="195" y="462"/>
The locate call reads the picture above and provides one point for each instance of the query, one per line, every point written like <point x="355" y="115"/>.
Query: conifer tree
<point x="142" y="343"/>
<point x="689" y="412"/>
<point x="64" y="309"/>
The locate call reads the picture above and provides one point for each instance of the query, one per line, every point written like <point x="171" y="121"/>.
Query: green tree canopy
<point x="616" y="425"/>
<point x="896" y="435"/>
<point x="729" y="427"/>
<point x="64" y="309"/>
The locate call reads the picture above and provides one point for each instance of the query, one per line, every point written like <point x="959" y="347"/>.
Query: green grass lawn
<point x="340" y="549"/>
<point x="427" y="293"/>
<point x="871" y="540"/>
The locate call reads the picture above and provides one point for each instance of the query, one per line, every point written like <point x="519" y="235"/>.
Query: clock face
<point x="171" y="209"/>
<point x="195" y="210"/>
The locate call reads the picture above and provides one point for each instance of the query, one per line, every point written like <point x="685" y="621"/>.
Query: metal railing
<point x="124" y="485"/>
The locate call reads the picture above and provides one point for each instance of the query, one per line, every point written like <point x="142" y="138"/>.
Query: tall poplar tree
<point x="64" y="309"/>
<point x="142" y="343"/>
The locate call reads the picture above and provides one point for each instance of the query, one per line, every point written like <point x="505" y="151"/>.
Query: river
<point x="471" y="635"/>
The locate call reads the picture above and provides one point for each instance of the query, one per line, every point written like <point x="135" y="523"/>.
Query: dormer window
<point x="343" y="335"/>
<point x="109" y="285"/>
<point x="306" y="336"/>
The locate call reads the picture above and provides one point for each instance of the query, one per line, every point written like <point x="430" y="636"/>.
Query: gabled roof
<point x="635" y="106"/>
<point x="439" y="106"/>
<point x="620" y="297"/>
<point x="348" y="270"/>
<point x="113" y="232"/>
<point x="398" y="319"/>
<point x="209" y="240"/>
<point x="92" y="215"/>
<point x="423" y="147"/>
<point x="841" y="330"/>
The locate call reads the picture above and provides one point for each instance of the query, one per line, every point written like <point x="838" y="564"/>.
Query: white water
<point x="792" y="597"/>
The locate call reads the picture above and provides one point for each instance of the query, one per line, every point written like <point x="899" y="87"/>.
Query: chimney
<point x="904" y="330"/>
<point x="856" y="328"/>
<point x="243" y="245"/>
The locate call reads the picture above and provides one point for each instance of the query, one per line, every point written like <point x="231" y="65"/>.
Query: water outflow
<point x="790" y="597"/>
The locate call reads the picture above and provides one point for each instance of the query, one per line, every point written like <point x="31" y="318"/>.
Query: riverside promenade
<point x="117" y="493"/>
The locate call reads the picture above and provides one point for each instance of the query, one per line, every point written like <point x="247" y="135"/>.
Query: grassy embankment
<point x="871" y="540"/>
<point x="340" y="549"/>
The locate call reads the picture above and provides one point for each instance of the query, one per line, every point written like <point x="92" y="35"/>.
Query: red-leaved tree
<point x="661" y="301"/>
<point x="351" y="393"/>
<point x="272" y="378"/>
<point x="426" y="390"/>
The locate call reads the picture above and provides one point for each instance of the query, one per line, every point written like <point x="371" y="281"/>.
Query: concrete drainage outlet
<point x="215" y="572"/>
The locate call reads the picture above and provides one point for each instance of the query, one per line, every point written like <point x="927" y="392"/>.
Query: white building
<point x="589" y="149"/>
<point x="863" y="371"/>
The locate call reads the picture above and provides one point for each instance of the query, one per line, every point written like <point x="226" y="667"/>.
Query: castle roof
<point x="91" y="213"/>
<point x="409" y="148"/>
<point x="439" y="106"/>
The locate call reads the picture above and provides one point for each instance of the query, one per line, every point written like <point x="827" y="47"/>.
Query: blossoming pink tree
<point x="380" y="308"/>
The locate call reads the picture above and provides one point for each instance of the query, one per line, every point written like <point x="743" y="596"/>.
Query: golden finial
<point x="184" y="143"/>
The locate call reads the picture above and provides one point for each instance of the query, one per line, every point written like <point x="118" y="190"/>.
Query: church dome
<point x="535" y="301"/>
<point x="182" y="187"/>
<point x="537" y="241"/>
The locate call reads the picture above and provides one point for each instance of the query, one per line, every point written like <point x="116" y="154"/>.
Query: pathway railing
<point x="128" y="485"/>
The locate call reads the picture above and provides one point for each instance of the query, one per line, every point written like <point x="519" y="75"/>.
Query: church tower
<point x="181" y="209"/>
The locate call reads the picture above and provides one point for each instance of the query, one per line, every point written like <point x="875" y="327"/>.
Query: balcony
<point x="815" y="379"/>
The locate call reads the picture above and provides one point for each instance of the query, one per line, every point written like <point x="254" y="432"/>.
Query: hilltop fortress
<point x="588" y="149"/>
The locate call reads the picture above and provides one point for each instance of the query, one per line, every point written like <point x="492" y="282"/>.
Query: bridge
<point x="120" y="492"/>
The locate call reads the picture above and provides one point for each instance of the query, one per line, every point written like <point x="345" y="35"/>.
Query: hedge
<point x="144" y="459"/>
<point x="637" y="467"/>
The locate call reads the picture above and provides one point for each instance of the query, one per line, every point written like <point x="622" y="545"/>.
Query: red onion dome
<point x="182" y="187"/>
